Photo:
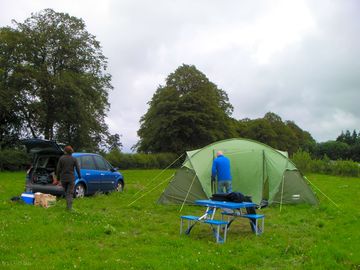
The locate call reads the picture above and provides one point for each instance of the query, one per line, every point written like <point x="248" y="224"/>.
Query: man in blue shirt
<point x="221" y="169"/>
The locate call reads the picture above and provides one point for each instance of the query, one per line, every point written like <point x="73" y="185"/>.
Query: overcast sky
<point x="298" y="59"/>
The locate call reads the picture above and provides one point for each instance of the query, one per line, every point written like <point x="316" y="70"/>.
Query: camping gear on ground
<point x="15" y="198"/>
<point x="37" y="200"/>
<point x="257" y="170"/>
<point x="48" y="200"/>
<point x="28" y="197"/>
<point x="44" y="200"/>
<point x="231" y="197"/>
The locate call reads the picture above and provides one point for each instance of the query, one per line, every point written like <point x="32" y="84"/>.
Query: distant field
<point x="106" y="233"/>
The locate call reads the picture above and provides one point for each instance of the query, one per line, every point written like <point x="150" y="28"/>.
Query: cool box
<point x="28" y="197"/>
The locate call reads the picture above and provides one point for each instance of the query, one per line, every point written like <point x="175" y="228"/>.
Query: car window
<point x="52" y="162"/>
<point x="79" y="161"/>
<point x="41" y="162"/>
<point x="101" y="163"/>
<point x="87" y="162"/>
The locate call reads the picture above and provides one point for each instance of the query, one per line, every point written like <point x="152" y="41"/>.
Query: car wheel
<point x="119" y="186"/>
<point x="79" y="191"/>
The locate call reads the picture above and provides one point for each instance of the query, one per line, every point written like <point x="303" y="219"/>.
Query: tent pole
<point x="213" y="184"/>
<point x="282" y="191"/>
<point x="192" y="182"/>
<point x="263" y="175"/>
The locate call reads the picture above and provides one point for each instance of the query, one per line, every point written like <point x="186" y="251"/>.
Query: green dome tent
<point x="257" y="170"/>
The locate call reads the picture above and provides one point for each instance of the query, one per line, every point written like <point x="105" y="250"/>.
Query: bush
<point x="306" y="164"/>
<point x="346" y="168"/>
<point x="320" y="166"/>
<point x="13" y="160"/>
<point x="302" y="160"/>
<point x="142" y="161"/>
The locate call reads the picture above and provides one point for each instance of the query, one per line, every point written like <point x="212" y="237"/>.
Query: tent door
<point x="247" y="170"/>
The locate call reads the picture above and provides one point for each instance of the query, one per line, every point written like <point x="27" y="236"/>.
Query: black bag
<point x="237" y="197"/>
<point x="231" y="197"/>
<point x="220" y="197"/>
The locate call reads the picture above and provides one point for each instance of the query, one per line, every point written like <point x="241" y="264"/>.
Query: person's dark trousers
<point x="69" y="193"/>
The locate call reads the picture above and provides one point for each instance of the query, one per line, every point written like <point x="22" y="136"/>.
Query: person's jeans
<point x="69" y="193"/>
<point x="224" y="184"/>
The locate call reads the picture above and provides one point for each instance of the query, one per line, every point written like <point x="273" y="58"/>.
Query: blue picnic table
<point x="231" y="210"/>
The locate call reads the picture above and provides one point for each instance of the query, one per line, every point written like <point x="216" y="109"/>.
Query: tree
<point x="303" y="138"/>
<point x="114" y="143"/>
<point x="272" y="131"/>
<point x="285" y="138"/>
<point x="347" y="137"/>
<point x="333" y="149"/>
<point x="262" y="131"/>
<point x="354" y="152"/>
<point x="61" y="80"/>
<point x="189" y="112"/>
<point x="353" y="141"/>
<point x="354" y="137"/>
<point x="10" y="121"/>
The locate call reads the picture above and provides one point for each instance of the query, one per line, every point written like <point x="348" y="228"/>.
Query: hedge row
<point x="306" y="164"/>
<point x="143" y="161"/>
<point x="13" y="160"/>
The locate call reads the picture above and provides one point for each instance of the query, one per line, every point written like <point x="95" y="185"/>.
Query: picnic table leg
<point x="189" y="227"/>
<point x="260" y="229"/>
<point x="190" y="224"/>
<point x="255" y="226"/>
<point x="225" y="232"/>
<point x="181" y="225"/>
<point x="217" y="235"/>
<point x="229" y="220"/>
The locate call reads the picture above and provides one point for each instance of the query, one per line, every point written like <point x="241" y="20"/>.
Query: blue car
<point x="97" y="174"/>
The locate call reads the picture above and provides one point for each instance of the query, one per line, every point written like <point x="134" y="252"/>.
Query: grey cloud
<point x="313" y="81"/>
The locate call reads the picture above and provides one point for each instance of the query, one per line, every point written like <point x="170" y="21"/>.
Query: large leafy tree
<point x="114" y="142"/>
<point x="303" y="139"/>
<point x="272" y="131"/>
<point x="10" y="120"/>
<point x="188" y="112"/>
<point x="59" y="75"/>
<point x="347" y="138"/>
<point x="332" y="149"/>
<point x="353" y="141"/>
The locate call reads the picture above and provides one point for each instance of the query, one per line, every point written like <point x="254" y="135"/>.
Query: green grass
<point x="106" y="233"/>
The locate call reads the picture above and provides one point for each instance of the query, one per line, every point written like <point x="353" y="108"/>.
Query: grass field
<point x="105" y="233"/>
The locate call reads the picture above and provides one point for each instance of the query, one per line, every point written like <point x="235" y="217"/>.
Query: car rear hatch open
<point x="36" y="146"/>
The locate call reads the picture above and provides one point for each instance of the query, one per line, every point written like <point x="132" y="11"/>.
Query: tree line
<point x="345" y="147"/>
<point x="190" y="111"/>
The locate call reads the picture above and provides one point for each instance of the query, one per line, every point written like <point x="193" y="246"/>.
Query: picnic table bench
<point x="230" y="209"/>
